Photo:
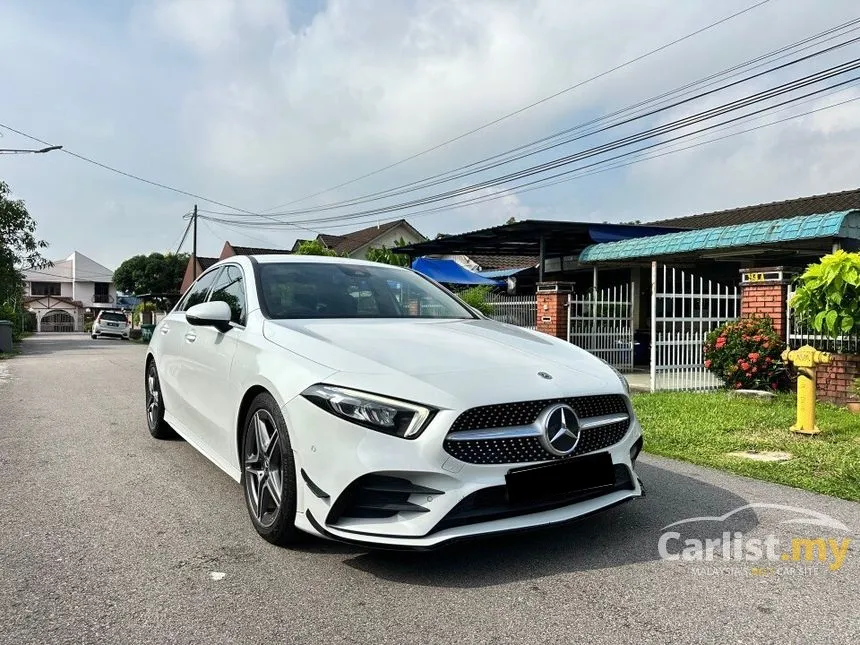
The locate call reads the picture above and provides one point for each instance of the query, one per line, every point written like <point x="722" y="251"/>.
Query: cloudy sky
<point x="257" y="103"/>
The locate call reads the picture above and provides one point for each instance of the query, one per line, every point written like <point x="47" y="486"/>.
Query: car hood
<point x="480" y="352"/>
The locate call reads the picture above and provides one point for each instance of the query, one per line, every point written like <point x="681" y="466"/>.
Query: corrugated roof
<point x="840" y="224"/>
<point x="503" y="262"/>
<point x="256" y="250"/>
<point x="827" y="203"/>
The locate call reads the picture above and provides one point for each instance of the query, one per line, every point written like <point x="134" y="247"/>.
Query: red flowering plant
<point x="746" y="354"/>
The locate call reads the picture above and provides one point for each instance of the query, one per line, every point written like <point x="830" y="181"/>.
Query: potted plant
<point x="854" y="398"/>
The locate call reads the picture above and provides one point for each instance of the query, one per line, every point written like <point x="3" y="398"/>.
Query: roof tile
<point x="827" y="203"/>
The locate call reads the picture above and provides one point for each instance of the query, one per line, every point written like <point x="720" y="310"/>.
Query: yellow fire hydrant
<point x="806" y="360"/>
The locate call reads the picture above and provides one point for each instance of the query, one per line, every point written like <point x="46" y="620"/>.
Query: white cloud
<point x="238" y="100"/>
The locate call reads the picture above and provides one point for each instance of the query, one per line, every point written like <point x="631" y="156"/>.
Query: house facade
<point x="61" y="296"/>
<point x="358" y="243"/>
<point x="644" y="297"/>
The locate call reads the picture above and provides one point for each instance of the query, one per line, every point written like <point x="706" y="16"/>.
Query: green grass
<point x="702" y="427"/>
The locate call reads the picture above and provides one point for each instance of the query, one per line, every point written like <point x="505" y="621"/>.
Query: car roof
<point x="316" y="259"/>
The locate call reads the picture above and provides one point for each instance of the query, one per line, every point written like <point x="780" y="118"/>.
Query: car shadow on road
<point x="621" y="536"/>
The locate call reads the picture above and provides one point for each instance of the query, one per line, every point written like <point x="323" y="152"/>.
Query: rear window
<point x="112" y="315"/>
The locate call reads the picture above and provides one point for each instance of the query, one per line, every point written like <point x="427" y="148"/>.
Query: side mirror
<point x="215" y="314"/>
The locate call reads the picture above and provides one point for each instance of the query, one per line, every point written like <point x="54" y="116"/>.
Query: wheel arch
<point x="250" y="394"/>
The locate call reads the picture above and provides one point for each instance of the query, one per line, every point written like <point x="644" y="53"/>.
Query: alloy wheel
<point x="263" y="467"/>
<point x="153" y="398"/>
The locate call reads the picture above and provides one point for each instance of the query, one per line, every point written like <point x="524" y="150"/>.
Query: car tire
<point x="94" y="337"/>
<point x="158" y="427"/>
<point x="269" y="472"/>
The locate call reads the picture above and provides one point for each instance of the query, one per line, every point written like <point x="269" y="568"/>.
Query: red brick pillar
<point x="835" y="380"/>
<point x="552" y="300"/>
<point x="764" y="294"/>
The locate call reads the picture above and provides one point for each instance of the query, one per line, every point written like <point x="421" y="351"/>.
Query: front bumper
<point x="333" y="455"/>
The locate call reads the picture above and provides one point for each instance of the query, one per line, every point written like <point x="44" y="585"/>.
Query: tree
<point x="386" y="256"/>
<point x="511" y="220"/>
<point x="153" y="273"/>
<point x="19" y="249"/>
<point x="314" y="247"/>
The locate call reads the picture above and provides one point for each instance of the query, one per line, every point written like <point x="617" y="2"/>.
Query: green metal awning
<point x="836" y="225"/>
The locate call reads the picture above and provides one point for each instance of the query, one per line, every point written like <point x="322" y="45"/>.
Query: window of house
<point x="45" y="288"/>
<point x="102" y="288"/>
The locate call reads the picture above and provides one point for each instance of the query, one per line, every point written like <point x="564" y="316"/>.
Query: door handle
<point x="190" y="337"/>
<point x="165" y="329"/>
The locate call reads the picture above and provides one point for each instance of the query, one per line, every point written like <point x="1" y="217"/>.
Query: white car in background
<point x="364" y="403"/>
<point x="110" y="323"/>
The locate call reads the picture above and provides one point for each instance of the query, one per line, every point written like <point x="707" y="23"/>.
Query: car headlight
<point x="394" y="417"/>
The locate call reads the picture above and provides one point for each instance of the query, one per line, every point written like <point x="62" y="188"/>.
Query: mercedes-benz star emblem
<point x="560" y="429"/>
<point x="545" y="375"/>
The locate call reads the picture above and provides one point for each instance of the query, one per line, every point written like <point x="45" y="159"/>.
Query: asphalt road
<point x="108" y="536"/>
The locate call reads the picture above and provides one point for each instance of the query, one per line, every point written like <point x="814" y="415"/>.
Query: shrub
<point x="828" y="296"/>
<point x="22" y="321"/>
<point x="476" y="297"/>
<point x="747" y="354"/>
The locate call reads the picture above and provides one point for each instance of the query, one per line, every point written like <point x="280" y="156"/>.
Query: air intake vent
<point x="378" y="497"/>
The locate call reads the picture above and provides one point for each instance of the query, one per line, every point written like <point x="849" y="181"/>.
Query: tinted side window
<point x="197" y="292"/>
<point x="230" y="288"/>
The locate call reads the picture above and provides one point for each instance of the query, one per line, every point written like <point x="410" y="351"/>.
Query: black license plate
<point x="112" y="325"/>
<point x="560" y="479"/>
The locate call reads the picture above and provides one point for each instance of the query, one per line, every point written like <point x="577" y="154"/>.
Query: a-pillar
<point x="552" y="305"/>
<point x="764" y="293"/>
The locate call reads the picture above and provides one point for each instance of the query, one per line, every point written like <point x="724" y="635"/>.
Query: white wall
<point x="386" y="240"/>
<point x="40" y="310"/>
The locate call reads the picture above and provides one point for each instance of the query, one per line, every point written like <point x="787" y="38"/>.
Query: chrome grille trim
<point x="516" y="432"/>
<point x="605" y="420"/>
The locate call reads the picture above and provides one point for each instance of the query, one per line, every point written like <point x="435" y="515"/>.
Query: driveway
<point x="107" y="536"/>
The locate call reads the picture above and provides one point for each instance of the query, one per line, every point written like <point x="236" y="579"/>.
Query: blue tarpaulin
<point x="449" y="272"/>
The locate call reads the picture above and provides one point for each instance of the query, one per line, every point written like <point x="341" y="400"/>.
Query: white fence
<point x="684" y="309"/>
<point x="601" y="322"/>
<point x="798" y="334"/>
<point x="514" y="310"/>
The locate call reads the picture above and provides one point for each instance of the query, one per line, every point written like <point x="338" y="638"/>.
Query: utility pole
<point x="194" y="243"/>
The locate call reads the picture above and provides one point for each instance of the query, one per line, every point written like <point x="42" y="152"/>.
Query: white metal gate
<point x="684" y="309"/>
<point x="518" y="310"/>
<point x="601" y="322"/>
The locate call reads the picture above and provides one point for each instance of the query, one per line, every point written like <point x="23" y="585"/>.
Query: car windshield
<point x="340" y="290"/>
<point x="113" y="317"/>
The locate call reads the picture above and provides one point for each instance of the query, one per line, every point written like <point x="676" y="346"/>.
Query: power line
<point x="135" y="177"/>
<point x="623" y="142"/>
<point x="525" y="108"/>
<point x="454" y="175"/>
<point x="646" y="157"/>
<point x="184" y="236"/>
<point x="122" y="172"/>
<point x="244" y="233"/>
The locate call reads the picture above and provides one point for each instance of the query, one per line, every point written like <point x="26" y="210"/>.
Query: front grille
<point x="492" y="503"/>
<point x="529" y="449"/>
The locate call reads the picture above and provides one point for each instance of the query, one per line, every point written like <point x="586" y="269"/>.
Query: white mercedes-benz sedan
<point x="365" y="403"/>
